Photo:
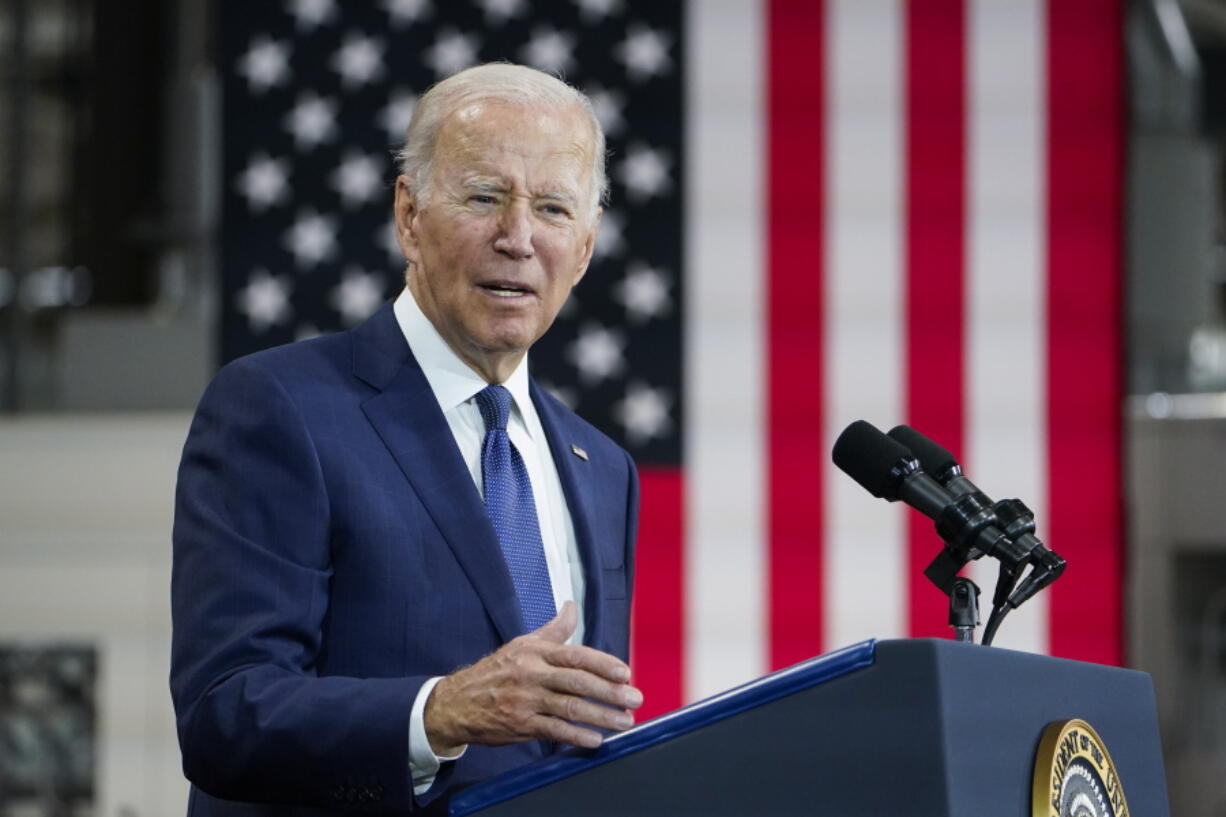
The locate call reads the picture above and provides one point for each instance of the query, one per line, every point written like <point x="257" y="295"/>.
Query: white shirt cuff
<point x="423" y="763"/>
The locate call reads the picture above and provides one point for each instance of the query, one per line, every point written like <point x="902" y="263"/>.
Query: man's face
<point x="506" y="232"/>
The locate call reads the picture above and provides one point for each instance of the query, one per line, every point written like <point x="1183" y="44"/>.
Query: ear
<point x="589" y="246"/>
<point x="404" y="220"/>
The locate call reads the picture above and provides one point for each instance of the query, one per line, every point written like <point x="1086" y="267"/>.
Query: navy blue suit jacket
<point x="331" y="553"/>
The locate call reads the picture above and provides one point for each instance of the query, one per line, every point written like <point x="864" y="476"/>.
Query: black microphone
<point x="1015" y="518"/>
<point x="886" y="469"/>
<point x="889" y="470"/>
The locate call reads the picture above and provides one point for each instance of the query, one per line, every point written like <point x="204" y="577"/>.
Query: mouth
<point x="506" y="289"/>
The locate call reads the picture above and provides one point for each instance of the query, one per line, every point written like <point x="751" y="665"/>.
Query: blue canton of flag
<point x="317" y="96"/>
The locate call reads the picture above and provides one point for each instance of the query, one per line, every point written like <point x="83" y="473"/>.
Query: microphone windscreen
<point x="868" y="456"/>
<point x="934" y="458"/>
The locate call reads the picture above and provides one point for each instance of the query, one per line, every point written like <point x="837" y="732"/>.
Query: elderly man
<point x="400" y="566"/>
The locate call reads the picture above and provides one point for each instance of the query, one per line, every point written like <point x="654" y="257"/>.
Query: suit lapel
<point x="578" y="484"/>
<point x="408" y="420"/>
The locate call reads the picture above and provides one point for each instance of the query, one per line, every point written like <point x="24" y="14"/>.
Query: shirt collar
<point x="450" y="378"/>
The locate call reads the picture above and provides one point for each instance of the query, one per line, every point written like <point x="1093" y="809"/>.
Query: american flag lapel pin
<point x="578" y="452"/>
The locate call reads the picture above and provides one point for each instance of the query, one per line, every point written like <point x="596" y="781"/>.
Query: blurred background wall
<point x="114" y="174"/>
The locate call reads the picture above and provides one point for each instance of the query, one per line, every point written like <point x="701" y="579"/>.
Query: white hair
<point x="493" y="81"/>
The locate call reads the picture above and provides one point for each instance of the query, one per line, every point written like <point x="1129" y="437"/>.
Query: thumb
<point x="562" y="626"/>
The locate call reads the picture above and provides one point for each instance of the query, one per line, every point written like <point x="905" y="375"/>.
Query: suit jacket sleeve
<point x="250" y="596"/>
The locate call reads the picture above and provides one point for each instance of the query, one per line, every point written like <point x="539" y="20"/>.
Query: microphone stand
<point x="1015" y="550"/>
<point x="964" y="609"/>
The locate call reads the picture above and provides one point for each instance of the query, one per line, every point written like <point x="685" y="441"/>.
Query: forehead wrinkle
<point x="567" y="122"/>
<point x="484" y="152"/>
<point x="475" y="147"/>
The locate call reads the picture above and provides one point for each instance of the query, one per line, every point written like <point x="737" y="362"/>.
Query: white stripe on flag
<point x="1006" y="341"/>
<point x="724" y="348"/>
<point x="864" y="586"/>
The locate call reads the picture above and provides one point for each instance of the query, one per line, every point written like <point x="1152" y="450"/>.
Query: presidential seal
<point x="1074" y="775"/>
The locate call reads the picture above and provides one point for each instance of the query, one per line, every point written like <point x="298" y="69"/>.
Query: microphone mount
<point x="964" y="609"/>
<point x="905" y="465"/>
<point x="1020" y="550"/>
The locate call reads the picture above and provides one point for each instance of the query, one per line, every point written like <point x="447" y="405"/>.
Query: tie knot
<point x="495" y="405"/>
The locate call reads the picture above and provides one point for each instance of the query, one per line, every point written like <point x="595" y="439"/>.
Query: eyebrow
<point x="485" y="186"/>
<point x="568" y="198"/>
<point x="490" y="186"/>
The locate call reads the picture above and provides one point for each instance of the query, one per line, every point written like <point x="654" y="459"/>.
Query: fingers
<point x="586" y="685"/>
<point x="582" y="711"/>
<point x="560" y="731"/>
<point x="535" y="686"/>
<point x="560" y="627"/>
<point x="573" y="656"/>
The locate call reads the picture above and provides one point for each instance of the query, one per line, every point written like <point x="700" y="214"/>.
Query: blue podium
<point x="906" y="727"/>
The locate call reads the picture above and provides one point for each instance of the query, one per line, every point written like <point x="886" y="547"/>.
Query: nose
<point x="515" y="231"/>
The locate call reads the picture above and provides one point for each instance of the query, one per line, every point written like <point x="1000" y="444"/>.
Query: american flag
<point x="821" y="211"/>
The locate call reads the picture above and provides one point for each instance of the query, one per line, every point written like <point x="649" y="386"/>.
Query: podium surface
<point x="916" y="726"/>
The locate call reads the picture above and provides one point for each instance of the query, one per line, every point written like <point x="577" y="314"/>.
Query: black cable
<point x="999" y="612"/>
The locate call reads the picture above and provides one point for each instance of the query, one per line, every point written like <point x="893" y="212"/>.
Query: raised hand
<point x="536" y="687"/>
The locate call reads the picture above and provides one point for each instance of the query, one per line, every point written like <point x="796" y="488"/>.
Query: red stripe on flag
<point x="657" y="615"/>
<point x="1085" y="155"/>
<point x="795" y="209"/>
<point x="935" y="259"/>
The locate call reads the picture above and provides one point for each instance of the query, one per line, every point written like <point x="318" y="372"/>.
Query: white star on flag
<point x="610" y="239"/>
<point x="265" y="300"/>
<point x="311" y="239"/>
<point x="644" y="172"/>
<point x="451" y="52"/>
<point x="404" y="12"/>
<point x="264" y="182"/>
<point x="357" y="178"/>
<point x="644" y="52"/>
<point x="396" y="115"/>
<point x="306" y="331"/>
<point x="608" y="105"/>
<point x="498" y="12"/>
<point x="593" y="11"/>
<point x="359" y="60"/>
<point x="568" y="396"/>
<point x="357" y="296"/>
<point x="644" y="412"/>
<point x="312" y="121"/>
<point x="265" y="64"/>
<point x="644" y="292"/>
<point x="549" y="50"/>
<point x="312" y="13"/>
<point x="597" y="352"/>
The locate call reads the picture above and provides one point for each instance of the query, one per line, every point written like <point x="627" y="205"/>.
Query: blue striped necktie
<point x="512" y="510"/>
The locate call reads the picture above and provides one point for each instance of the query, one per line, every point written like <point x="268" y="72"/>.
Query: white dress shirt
<point x="455" y="386"/>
